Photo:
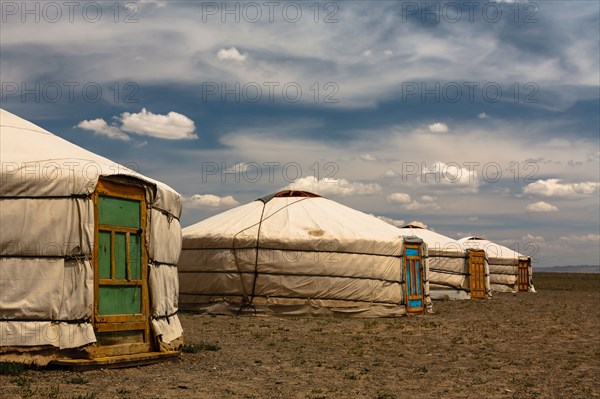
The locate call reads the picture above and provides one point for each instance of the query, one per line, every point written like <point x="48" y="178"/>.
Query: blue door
<point x="415" y="301"/>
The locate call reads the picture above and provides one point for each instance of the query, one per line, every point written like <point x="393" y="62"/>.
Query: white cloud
<point x="555" y="188"/>
<point x="417" y="206"/>
<point x="531" y="237"/>
<point x="398" y="198"/>
<point x="367" y="53"/>
<point x="240" y="167"/>
<point x="393" y="222"/>
<point x="483" y="115"/>
<point x="391" y="173"/>
<point x="368" y="157"/>
<point x="424" y="50"/>
<point x="388" y="53"/>
<point x="101" y="128"/>
<point x="173" y="126"/>
<point x="341" y="187"/>
<point x="427" y="202"/>
<point x="462" y="179"/>
<point x="595" y="238"/>
<point x="157" y="3"/>
<point x="473" y="218"/>
<point x="210" y="201"/>
<point x="438" y="128"/>
<point x="541" y="206"/>
<point x="231" y="54"/>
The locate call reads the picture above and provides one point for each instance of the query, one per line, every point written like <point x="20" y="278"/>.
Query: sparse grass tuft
<point x="21" y="381"/>
<point x="351" y="376"/>
<point x="77" y="380"/>
<point x="200" y="346"/>
<point x="53" y="392"/>
<point x="11" y="368"/>
<point x="25" y="384"/>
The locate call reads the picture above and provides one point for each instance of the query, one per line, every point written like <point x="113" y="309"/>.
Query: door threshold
<point x="120" y="361"/>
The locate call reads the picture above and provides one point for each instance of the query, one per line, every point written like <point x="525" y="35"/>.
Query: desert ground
<point x="544" y="345"/>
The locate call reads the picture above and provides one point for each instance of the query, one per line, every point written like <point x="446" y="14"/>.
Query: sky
<point x="474" y="118"/>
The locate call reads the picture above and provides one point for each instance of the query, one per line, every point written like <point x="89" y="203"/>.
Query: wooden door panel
<point x="120" y="289"/>
<point x="415" y="300"/>
<point x="523" y="278"/>
<point x="477" y="274"/>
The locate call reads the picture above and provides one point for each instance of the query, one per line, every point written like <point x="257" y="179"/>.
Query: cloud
<point x="595" y="238"/>
<point x="101" y="128"/>
<point x="483" y="115"/>
<point x="231" y="54"/>
<point x="461" y="179"/>
<point x="541" y="206"/>
<point x="405" y="200"/>
<point x="240" y="167"/>
<point x="593" y="156"/>
<point x="438" y="128"/>
<point x="391" y="173"/>
<point x="367" y="53"/>
<point x="425" y="203"/>
<point x="156" y="3"/>
<point x="368" y="157"/>
<point x="531" y="237"/>
<point x="173" y="126"/>
<point x="473" y="218"/>
<point x="210" y="201"/>
<point x="393" y="222"/>
<point x="339" y="187"/>
<point x="388" y="53"/>
<point x="555" y="188"/>
<point x="422" y="50"/>
<point x="398" y="198"/>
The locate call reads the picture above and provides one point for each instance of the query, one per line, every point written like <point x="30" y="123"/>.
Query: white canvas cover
<point x="448" y="264"/>
<point x="503" y="263"/>
<point x="47" y="233"/>
<point x="293" y="255"/>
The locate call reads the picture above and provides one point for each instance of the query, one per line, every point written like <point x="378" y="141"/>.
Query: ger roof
<point x="299" y="220"/>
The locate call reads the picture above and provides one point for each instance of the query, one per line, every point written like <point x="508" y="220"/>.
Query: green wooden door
<point x="121" y="307"/>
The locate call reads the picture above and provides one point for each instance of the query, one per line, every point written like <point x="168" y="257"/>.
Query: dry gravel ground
<point x="543" y="345"/>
